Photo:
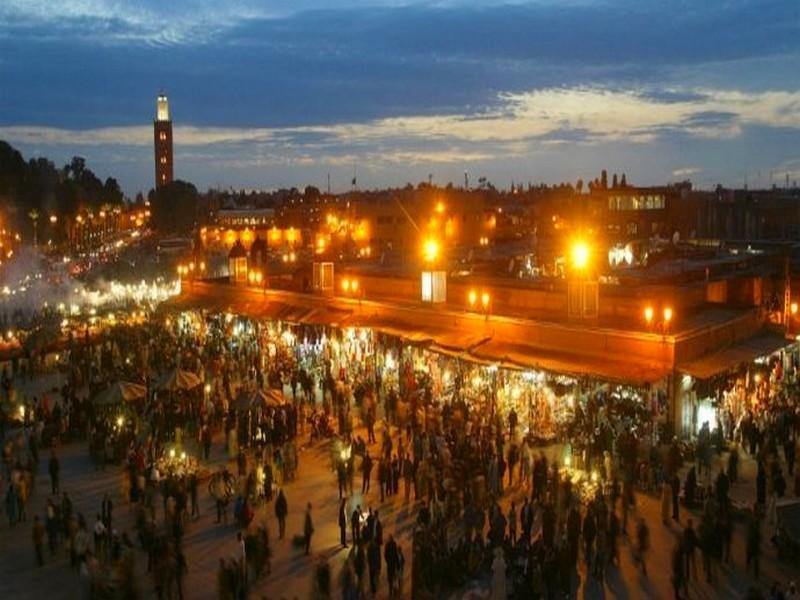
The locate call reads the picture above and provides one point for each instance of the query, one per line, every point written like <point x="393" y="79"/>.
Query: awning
<point x="524" y="356"/>
<point x="458" y="341"/>
<point x="327" y="316"/>
<point x="392" y="326"/>
<point x="260" y="308"/>
<point x="741" y="353"/>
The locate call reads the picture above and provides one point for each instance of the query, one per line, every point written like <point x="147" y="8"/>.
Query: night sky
<point x="265" y="96"/>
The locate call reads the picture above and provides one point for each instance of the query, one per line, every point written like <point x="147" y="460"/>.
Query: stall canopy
<point x="178" y="379"/>
<point x="259" y="399"/>
<point x="741" y="353"/>
<point x="521" y="355"/>
<point x="390" y="325"/>
<point x="262" y="308"/>
<point x="120" y="392"/>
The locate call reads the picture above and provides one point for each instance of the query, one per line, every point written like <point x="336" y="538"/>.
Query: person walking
<point x="366" y="468"/>
<point x="689" y="544"/>
<point x="374" y="565"/>
<point x="308" y="528"/>
<point x="391" y="557"/>
<point x="753" y="543"/>
<point x="281" y="510"/>
<point x="408" y="476"/>
<point x="678" y="572"/>
<point x="666" y="497"/>
<point x="355" y="524"/>
<point x="343" y="523"/>
<point x="512" y="523"/>
<point x="38" y="540"/>
<point x="193" y="494"/>
<point x="498" y="576"/>
<point x="675" y="485"/>
<point x="642" y="545"/>
<point x="54" y="468"/>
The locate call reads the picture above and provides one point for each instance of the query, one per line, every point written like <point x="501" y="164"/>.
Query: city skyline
<point x="263" y="97"/>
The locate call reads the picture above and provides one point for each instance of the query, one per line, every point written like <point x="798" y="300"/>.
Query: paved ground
<point x="206" y="541"/>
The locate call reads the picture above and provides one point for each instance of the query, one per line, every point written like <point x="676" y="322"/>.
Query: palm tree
<point x="34" y="215"/>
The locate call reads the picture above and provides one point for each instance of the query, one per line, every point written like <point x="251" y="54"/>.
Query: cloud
<point x="269" y="87"/>
<point x="562" y="115"/>
<point x="686" y="171"/>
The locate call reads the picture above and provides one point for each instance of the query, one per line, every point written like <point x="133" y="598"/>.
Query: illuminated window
<point x="162" y="136"/>
<point x="632" y="228"/>
<point x="163" y="160"/>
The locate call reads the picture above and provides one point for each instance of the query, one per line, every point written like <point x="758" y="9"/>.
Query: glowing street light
<point x="345" y="285"/>
<point x="667" y="315"/>
<point x="430" y="250"/>
<point x="580" y="255"/>
<point x="485" y="299"/>
<point x="793" y="308"/>
<point x="472" y="298"/>
<point x="648" y="314"/>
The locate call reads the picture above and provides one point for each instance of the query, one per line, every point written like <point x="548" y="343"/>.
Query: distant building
<point x="162" y="142"/>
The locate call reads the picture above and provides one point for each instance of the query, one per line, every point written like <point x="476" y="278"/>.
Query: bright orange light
<point x="793" y="308"/>
<point x="472" y="297"/>
<point x="440" y="207"/>
<point x="485" y="299"/>
<point x="251" y="276"/>
<point x="354" y="285"/>
<point x="430" y="250"/>
<point x="667" y="314"/>
<point x="648" y="314"/>
<point x="53" y="219"/>
<point x="346" y="285"/>
<point x="202" y="265"/>
<point x="258" y="277"/>
<point x="580" y="255"/>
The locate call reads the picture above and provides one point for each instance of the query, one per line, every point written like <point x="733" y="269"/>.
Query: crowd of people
<point x="484" y="503"/>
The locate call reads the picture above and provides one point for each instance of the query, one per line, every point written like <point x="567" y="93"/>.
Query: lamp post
<point x="582" y="290"/>
<point x="434" y="281"/>
<point x="663" y="323"/>
<point x="34" y="217"/>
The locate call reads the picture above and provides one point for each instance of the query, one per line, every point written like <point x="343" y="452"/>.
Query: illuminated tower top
<point x="162" y="140"/>
<point x="162" y="108"/>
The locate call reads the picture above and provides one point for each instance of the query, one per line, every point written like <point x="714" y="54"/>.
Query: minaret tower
<point x="162" y="142"/>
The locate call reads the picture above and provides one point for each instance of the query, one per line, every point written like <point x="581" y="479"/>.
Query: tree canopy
<point x="41" y="186"/>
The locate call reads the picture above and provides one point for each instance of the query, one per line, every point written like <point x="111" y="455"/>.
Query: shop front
<point x="721" y="388"/>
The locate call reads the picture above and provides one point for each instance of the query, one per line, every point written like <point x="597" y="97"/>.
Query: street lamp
<point x="580" y="255"/>
<point x="582" y="287"/>
<point x="34" y="216"/>
<point x="485" y="298"/>
<point x="430" y="250"/>
<point x="472" y="298"/>
<point x="648" y="314"/>
<point x="434" y="282"/>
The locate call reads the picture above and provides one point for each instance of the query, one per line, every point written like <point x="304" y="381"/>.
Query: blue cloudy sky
<point x="275" y="93"/>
